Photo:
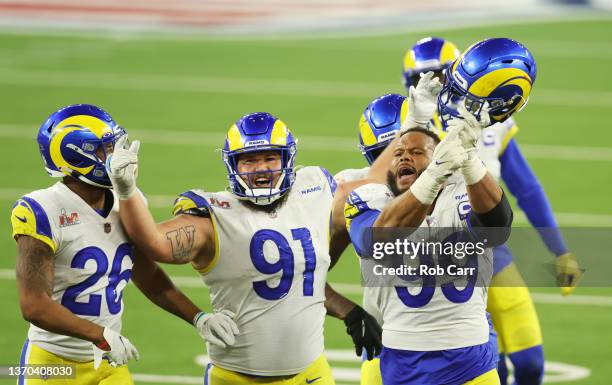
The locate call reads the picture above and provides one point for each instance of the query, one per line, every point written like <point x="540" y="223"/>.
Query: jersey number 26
<point x="113" y="296"/>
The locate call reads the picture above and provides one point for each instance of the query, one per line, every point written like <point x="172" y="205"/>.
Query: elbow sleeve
<point x="494" y="225"/>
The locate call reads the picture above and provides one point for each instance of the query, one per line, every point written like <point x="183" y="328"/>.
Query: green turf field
<point x="180" y="96"/>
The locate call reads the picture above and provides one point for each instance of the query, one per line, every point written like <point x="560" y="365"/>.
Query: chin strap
<point x="72" y="173"/>
<point x="262" y="196"/>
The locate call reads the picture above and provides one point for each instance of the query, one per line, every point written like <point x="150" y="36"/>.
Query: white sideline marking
<point x="165" y="201"/>
<point x="351" y="288"/>
<point x="592" y="300"/>
<point x="253" y="86"/>
<point x="570" y="219"/>
<point x="315" y="142"/>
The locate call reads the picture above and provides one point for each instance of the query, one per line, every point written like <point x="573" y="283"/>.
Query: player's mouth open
<point x="406" y="174"/>
<point x="262" y="181"/>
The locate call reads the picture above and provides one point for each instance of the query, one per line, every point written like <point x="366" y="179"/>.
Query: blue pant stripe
<point x="207" y="373"/>
<point x="22" y="359"/>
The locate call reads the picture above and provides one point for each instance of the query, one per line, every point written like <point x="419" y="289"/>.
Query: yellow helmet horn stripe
<point x="234" y="139"/>
<point x="449" y="52"/>
<point x="409" y="61"/>
<point x="95" y="125"/>
<point x="484" y="86"/>
<point x="367" y="135"/>
<point x="403" y="110"/>
<point x="279" y="133"/>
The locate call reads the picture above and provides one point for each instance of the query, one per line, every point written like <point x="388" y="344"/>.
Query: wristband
<point x="473" y="171"/>
<point x="425" y="189"/>
<point x="197" y="317"/>
<point x="103" y="345"/>
<point x="126" y="195"/>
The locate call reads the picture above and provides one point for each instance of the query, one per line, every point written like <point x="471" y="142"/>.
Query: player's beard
<point x="392" y="183"/>
<point x="270" y="207"/>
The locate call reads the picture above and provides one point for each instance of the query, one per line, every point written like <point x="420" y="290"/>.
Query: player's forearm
<point x="160" y="290"/>
<point x="175" y="302"/>
<point x="336" y="304"/>
<point x="485" y="194"/>
<point x="403" y="211"/>
<point x="142" y="229"/>
<point x="42" y="311"/>
<point x="339" y="241"/>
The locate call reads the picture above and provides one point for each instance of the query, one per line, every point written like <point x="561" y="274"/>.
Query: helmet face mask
<point x="76" y="140"/>
<point x="373" y="152"/>
<point x="248" y="136"/>
<point x="413" y="78"/>
<point x="452" y="95"/>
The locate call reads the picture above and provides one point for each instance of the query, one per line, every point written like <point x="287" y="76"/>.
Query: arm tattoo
<point x="182" y="241"/>
<point x="35" y="265"/>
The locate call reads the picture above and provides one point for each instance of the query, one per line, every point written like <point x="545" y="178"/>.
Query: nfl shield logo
<point x="107" y="228"/>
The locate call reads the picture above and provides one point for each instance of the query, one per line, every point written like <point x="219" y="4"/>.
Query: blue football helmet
<point x="379" y="123"/>
<point x="428" y="54"/>
<point x="498" y="71"/>
<point x="75" y="141"/>
<point x="256" y="132"/>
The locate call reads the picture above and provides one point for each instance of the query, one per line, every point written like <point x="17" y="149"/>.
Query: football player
<point x="378" y="126"/>
<point x="435" y="335"/>
<point x="510" y="305"/>
<point x="74" y="259"/>
<point x="263" y="247"/>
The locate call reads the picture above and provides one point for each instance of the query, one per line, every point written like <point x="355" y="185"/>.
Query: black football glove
<point x="365" y="332"/>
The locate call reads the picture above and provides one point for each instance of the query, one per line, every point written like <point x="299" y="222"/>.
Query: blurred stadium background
<point x="176" y="74"/>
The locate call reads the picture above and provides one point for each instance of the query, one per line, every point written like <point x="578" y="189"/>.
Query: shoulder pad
<point x="330" y="180"/>
<point x="191" y="203"/>
<point x="29" y="218"/>
<point x="372" y="196"/>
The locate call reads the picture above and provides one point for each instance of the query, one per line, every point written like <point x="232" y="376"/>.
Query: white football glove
<point x="448" y="156"/>
<point x="422" y="102"/>
<point x="470" y="130"/>
<point x="122" y="167"/>
<point x="121" y="350"/>
<point x="217" y="328"/>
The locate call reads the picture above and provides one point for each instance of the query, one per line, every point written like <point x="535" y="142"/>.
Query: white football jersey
<point x="493" y="142"/>
<point x="92" y="266"/>
<point x="351" y="174"/>
<point x="440" y="323"/>
<point x="270" y="269"/>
